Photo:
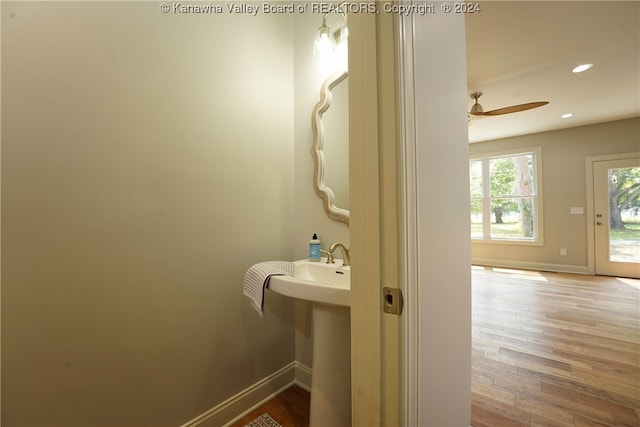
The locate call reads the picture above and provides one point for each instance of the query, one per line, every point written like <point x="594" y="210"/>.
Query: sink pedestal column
<point x="331" y="380"/>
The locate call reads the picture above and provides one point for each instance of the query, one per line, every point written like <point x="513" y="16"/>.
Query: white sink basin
<point x="328" y="287"/>
<point x="317" y="282"/>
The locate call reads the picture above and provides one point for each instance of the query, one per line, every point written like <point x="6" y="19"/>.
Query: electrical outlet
<point x="563" y="251"/>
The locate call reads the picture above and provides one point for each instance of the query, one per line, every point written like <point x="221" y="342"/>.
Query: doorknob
<point x="599" y="223"/>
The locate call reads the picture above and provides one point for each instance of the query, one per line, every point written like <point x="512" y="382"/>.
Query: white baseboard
<point x="234" y="408"/>
<point x="524" y="265"/>
<point x="303" y="376"/>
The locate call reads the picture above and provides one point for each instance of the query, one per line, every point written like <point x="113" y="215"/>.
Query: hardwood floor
<point x="290" y="409"/>
<point x="549" y="349"/>
<point x="553" y="349"/>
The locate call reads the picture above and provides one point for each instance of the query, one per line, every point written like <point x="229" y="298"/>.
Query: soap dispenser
<point x="314" y="249"/>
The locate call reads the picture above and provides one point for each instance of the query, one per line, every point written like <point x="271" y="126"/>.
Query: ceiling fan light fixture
<point x="476" y="108"/>
<point x="581" y="68"/>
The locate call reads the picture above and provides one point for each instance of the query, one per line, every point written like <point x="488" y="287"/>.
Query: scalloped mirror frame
<point x="325" y="193"/>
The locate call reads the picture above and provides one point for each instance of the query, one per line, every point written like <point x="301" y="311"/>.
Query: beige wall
<point x="147" y="162"/>
<point x="564" y="186"/>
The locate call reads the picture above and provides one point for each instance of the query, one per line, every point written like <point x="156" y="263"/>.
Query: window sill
<point x="538" y="242"/>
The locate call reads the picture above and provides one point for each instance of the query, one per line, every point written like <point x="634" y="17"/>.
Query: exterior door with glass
<point x="616" y="198"/>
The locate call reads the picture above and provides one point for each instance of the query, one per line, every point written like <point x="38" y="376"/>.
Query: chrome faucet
<point x="346" y="258"/>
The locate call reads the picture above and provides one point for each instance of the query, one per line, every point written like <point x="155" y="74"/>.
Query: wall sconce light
<point x="327" y="39"/>
<point x="325" y="43"/>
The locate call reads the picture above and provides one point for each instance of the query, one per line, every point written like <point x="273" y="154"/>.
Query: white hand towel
<point x="257" y="278"/>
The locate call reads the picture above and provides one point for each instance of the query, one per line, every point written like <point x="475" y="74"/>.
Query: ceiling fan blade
<point x="511" y="109"/>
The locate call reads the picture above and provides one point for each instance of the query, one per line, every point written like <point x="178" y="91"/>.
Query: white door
<point x="616" y="199"/>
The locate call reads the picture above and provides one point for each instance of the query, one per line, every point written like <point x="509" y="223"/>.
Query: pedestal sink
<point x="328" y="287"/>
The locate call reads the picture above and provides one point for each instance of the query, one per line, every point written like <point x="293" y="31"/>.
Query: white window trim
<point x="538" y="200"/>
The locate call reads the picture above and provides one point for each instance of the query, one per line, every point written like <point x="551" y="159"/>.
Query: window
<point x="504" y="197"/>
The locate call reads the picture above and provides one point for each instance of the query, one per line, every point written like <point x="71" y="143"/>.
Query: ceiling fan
<point x="477" y="109"/>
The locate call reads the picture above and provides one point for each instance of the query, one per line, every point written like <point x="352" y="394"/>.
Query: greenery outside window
<point x="505" y="197"/>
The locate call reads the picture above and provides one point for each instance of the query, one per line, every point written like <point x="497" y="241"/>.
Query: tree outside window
<point x="504" y="197"/>
<point x="624" y="195"/>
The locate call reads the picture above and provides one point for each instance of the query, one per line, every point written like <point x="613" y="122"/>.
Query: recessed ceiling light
<point x="566" y="116"/>
<point x="582" y="67"/>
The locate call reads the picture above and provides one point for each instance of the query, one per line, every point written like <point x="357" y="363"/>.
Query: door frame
<point x="376" y="376"/>
<point x="591" y="215"/>
<point x="409" y="223"/>
<point x="364" y="228"/>
<point x="437" y="286"/>
<point x="397" y="378"/>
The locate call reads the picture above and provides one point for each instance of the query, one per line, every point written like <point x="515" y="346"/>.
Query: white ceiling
<point x="519" y="52"/>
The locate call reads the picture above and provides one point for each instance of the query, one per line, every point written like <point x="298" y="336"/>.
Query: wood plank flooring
<point x="554" y="349"/>
<point x="549" y="350"/>
<point x="290" y="408"/>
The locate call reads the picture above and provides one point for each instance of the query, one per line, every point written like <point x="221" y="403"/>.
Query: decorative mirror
<point x="330" y="148"/>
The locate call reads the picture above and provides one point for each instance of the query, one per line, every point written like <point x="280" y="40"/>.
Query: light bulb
<point x="324" y="44"/>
